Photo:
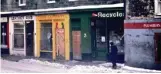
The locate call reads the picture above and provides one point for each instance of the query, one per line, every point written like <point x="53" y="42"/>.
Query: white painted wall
<point x="12" y="51"/>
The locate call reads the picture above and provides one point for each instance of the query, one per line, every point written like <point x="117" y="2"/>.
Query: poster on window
<point x="60" y="48"/>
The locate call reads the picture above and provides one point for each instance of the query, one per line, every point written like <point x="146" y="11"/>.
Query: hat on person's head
<point x="111" y="43"/>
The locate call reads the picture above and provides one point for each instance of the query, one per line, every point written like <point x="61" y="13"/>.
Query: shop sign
<point x="3" y="19"/>
<point x="108" y="14"/>
<point x="153" y="25"/>
<point x="22" y="17"/>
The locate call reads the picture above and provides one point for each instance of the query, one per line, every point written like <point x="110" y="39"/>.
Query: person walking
<point x="113" y="55"/>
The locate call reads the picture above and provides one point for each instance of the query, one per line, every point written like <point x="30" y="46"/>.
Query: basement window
<point x="157" y="7"/>
<point x="22" y="2"/>
<point x="50" y="1"/>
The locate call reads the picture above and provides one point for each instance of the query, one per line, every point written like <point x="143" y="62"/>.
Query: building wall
<point x="12" y="5"/>
<point x="85" y="18"/>
<point x="55" y="18"/>
<point x="85" y="30"/>
<point x="139" y="42"/>
<point x="18" y="19"/>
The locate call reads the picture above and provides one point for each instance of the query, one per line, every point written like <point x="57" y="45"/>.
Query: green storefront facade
<point x="89" y="32"/>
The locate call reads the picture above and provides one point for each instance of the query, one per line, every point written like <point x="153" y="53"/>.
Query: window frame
<point x="48" y="1"/>
<point x="72" y="0"/>
<point x="157" y="4"/>
<point x="23" y="4"/>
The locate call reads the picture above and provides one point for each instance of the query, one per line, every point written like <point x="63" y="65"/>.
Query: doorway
<point x="18" y="36"/>
<point x="76" y="39"/>
<point x="46" y="40"/>
<point x="158" y="47"/>
<point x="99" y="39"/>
<point x="104" y="31"/>
<point x="29" y="25"/>
<point x="4" y="38"/>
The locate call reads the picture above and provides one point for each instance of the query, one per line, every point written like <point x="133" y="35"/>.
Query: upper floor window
<point x="157" y="7"/>
<point x="22" y="2"/>
<point x="50" y="1"/>
<point x="73" y="0"/>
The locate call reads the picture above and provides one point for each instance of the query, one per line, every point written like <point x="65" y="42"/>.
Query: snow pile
<point x="33" y="65"/>
<point x="86" y="68"/>
<point x="56" y="65"/>
<point x="94" y="69"/>
<point x="140" y="69"/>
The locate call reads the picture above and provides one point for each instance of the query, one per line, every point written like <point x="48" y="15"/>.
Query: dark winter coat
<point x="113" y="53"/>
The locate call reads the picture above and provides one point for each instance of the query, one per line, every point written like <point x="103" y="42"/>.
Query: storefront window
<point x="46" y="36"/>
<point x="118" y="41"/>
<point x="18" y="35"/>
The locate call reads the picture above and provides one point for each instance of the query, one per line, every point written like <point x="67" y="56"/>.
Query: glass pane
<point x="18" y="25"/>
<point x="18" y="31"/>
<point x="18" y="40"/>
<point x="46" y="36"/>
<point x="51" y="0"/>
<point x="21" y="1"/>
<point x="101" y="35"/>
<point x="101" y="38"/>
<point x="160" y="7"/>
<point x="115" y="37"/>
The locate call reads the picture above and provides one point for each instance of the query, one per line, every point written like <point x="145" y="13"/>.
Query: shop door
<point x="76" y="39"/>
<point x="99" y="39"/>
<point x="158" y="47"/>
<point x="60" y="43"/>
<point x="29" y="38"/>
<point x="46" y="40"/>
<point x="18" y="36"/>
<point x="4" y="35"/>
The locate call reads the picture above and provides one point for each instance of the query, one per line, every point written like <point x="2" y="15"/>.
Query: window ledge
<point x="72" y="0"/>
<point x="158" y="13"/>
<point x="22" y="4"/>
<point x="51" y="2"/>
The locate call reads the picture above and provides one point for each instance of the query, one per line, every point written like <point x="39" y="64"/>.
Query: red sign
<point x="93" y="14"/>
<point x="153" y="25"/>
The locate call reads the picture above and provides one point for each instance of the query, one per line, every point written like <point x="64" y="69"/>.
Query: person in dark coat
<point x="113" y="55"/>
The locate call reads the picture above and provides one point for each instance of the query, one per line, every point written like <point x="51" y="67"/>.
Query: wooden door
<point x="76" y="38"/>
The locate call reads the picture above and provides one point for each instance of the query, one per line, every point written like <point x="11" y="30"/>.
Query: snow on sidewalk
<point x="33" y="65"/>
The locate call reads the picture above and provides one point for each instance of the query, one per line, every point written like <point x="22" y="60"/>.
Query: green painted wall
<point x="85" y="29"/>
